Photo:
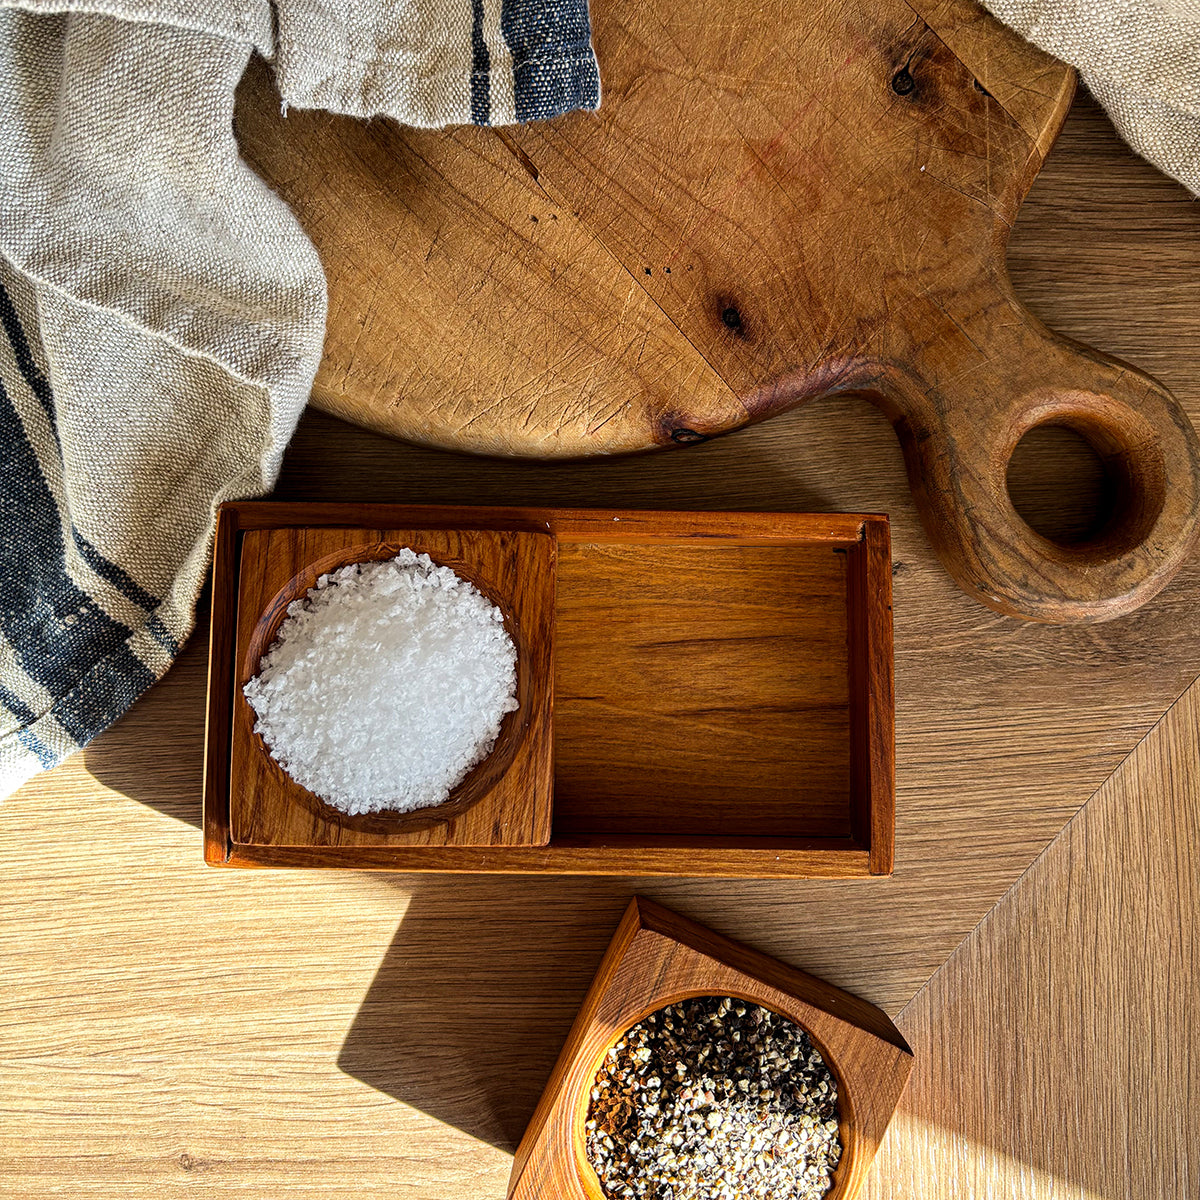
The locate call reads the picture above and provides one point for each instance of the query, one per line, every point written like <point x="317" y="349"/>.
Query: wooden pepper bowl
<point x="657" y="958"/>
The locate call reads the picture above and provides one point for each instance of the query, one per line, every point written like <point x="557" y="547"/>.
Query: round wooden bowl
<point x="738" y="989"/>
<point x="481" y="779"/>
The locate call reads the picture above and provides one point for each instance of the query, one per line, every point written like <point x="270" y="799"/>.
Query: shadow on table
<point x="474" y="1048"/>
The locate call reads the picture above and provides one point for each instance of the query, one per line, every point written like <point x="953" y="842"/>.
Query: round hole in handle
<point x="1087" y="478"/>
<point x="1060" y="486"/>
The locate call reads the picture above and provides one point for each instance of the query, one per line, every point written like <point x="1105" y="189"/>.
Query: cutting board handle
<point x="973" y="386"/>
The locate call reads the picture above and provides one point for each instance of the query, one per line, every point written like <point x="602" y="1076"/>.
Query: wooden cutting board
<point x="773" y="203"/>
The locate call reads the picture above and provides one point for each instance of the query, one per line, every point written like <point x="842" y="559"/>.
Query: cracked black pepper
<point x="714" y="1098"/>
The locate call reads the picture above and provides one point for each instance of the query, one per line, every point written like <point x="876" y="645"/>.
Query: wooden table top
<point x="168" y="1028"/>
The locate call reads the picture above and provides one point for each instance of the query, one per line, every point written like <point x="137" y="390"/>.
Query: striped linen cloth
<point x="163" y="313"/>
<point x="1139" y="58"/>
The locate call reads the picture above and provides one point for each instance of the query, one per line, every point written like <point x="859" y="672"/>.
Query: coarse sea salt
<point x="386" y="684"/>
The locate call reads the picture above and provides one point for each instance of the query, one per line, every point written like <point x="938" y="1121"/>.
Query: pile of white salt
<point x="386" y="684"/>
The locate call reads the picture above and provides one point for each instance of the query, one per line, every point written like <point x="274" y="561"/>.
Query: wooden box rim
<point x="865" y="536"/>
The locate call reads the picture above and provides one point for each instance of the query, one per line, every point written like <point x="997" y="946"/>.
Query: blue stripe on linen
<point x="26" y="737"/>
<point x="17" y="706"/>
<point x="554" y="68"/>
<point x="162" y="635"/>
<point x="481" y="104"/>
<point x="105" y="568"/>
<point x="38" y="383"/>
<point x="111" y="573"/>
<point x="62" y="639"/>
<point x="128" y="586"/>
<point x="44" y="755"/>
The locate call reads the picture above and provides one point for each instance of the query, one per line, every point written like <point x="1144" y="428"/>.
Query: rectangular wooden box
<point x="722" y="695"/>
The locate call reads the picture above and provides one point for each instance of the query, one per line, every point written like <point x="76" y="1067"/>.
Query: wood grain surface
<point x="657" y="958"/>
<point x="656" y="271"/>
<point x="170" y="1030"/>
<point x="1058" y="1050"/>
<point x="816" y="205"/>
<point x="702" y="690"/>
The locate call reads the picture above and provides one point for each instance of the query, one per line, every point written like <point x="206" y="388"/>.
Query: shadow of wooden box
<point x="657" y="958"/>
<point x="701" y="693"/>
